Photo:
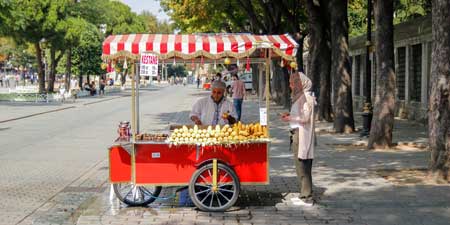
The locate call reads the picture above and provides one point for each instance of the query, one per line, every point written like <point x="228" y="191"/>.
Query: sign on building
<point x="149" y="65"/>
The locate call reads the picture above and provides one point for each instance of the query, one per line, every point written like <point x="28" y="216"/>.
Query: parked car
<point x="248" y="80"/>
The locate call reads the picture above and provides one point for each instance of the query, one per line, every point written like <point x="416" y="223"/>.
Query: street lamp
<point x="367" y="109"/>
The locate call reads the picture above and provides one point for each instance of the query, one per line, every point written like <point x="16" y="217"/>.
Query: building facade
<point x="412" y="42"/>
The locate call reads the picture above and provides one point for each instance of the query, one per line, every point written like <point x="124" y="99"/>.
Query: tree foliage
<point x="268" y="17"/>
<point x="404" y="10"/>
<point x="86" y="56"/>
<point x="154" y="26"/>
<point x="54" y="27"/>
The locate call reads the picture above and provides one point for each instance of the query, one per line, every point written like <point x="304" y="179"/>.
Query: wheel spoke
<point x="226" y="184"/>
<point x="218" y="200"/>
<point x="202" y="185"/>
<point x="221" y="189"/>
<point x="224" y="196"/>
<point x="146" y="192"/>
<point x="129" y="192"/>
<point x="209" y="172"/>
<point x="134" y="193"/>
<point x="204" y="179"/>
<point x="205" y="197"/>
<point x="223" y="178"/>
<point x="200" y="192"/>
<point x="212" y="198"/>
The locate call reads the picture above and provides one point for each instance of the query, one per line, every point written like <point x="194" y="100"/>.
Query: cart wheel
<point x="201" y="188"/>
<point x="133" y="195"/>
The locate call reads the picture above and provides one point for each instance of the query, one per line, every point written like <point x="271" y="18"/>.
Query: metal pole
<point x="268" y="56"/>
<point x="260" y="82"/>
<point x="133" y="128"/>
<point x="138" y="79"/>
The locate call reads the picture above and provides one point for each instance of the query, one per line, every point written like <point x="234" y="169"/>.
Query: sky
<point x="149" y="5"/>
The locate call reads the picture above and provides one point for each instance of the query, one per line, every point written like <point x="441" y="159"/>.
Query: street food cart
<point x="212" y="162"/>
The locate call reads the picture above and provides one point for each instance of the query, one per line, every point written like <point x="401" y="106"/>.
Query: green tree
<point x="409" y="9"/>
<point x="153" y="25"/>
<point x="404" y="10"/>
<point x="86" y="56"/>
<point x="357" y="17"/>
<point x="121" y="20"/>
<point x="34" y="21"/>
<point x="177" y="70"/>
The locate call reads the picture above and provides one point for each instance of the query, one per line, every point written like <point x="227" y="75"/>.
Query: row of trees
<point x="439" y="102"/>
<point x="328" y="26"/>
<point x="69" y="33"/>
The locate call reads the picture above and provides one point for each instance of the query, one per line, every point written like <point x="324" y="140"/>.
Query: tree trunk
<point x="299" y="56"/>
<point x="255" y="77"/>
<point x="439" y="108"/>
<point x="41" y="75"/>
<point x="52" y="74"/>
<point x="383" y="115"/>
<point x="319" y="62"/>
<point x="280" y="84"/>
<point x="340" y="67"/>
<point x="286" y="90"/>
<point x="68" y="68"/>
<point x="276" y="84"/>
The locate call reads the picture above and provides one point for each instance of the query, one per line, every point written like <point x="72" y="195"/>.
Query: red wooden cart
<point x="214" y="174"/>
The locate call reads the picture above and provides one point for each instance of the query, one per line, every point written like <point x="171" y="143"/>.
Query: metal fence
<point x="21" y="95"/>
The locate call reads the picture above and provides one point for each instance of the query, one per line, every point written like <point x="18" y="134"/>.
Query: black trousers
<point x="303" y="168"/>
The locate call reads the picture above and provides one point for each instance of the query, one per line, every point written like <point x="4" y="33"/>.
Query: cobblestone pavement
<point x="347" y="187"/>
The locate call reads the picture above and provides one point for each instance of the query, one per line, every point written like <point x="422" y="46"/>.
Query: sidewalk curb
<point x="104" y="100"/>
<point x="36" y="114"/>
<point x="60" y="109"/>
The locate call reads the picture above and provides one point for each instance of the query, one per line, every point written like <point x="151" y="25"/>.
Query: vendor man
<point x="214" y="109"/>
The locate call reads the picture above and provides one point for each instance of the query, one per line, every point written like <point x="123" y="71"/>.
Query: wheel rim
<point x="130" y="193"/>
<point x="219" y="198"/>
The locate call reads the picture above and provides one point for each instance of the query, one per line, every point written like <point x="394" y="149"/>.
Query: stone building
<point x="412" y="42"/>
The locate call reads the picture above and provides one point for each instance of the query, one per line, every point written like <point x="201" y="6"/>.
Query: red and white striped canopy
<point x="186" y="46"/>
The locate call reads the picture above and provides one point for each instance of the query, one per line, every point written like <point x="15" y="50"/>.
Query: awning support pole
<point x="267" y="90"/>
<point x="138" y="82"/>
<point x="133" y="128"/>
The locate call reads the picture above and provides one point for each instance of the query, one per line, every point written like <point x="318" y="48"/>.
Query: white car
<point x="248" y="81"/>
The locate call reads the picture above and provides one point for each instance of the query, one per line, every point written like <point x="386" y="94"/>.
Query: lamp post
<point x="367" y="109"/>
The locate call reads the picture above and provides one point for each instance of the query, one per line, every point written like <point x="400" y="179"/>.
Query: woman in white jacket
<point x="301" y="121"/>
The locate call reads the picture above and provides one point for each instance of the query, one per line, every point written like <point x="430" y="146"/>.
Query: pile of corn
<point x="238" y="133"/>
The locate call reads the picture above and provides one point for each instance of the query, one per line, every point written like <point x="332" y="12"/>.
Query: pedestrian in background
<point x="74" y="87"/>
<point x="102" y="87"/>
<point x="301" y="121"/>
<point x="238" y="90"/>
<point x="93" y="88"/>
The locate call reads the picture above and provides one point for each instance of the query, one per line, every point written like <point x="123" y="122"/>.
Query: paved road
<point x="52" y="162"/>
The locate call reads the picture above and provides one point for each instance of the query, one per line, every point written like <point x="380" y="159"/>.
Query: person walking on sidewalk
<point x="301" y="121"/>
<point x="102" y="87"/>
<point x="238" y="90"/>
<point x="74" y="87"/>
